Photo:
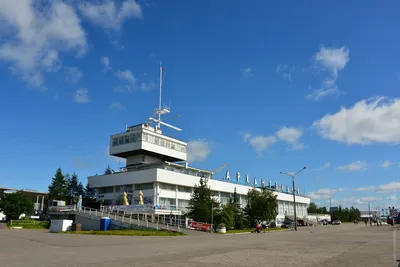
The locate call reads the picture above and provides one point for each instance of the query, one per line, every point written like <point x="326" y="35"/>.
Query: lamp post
<point x="369" y="212"/>
<point x="294" y="195"/>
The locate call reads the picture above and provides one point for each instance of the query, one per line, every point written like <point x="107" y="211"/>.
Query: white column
<point x="176" y="196"/>
<point x="37" y="202"/>
<point x="41" y="208"/>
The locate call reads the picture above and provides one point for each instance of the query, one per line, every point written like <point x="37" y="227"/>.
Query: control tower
<point x="145" y="144"/>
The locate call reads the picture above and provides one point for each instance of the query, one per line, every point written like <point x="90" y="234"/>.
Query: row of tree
<point x="204" y="207"/>
<point x="68" y="188"/>
<point x="343" y="214"/>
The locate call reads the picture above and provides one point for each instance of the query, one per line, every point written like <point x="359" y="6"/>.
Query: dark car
<point x="287" y="224"/>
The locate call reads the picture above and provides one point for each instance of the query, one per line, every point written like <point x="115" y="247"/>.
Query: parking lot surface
<point x="342" y="245"/>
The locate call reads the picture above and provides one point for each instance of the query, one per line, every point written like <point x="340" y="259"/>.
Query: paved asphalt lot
<point x="343" y="245"/>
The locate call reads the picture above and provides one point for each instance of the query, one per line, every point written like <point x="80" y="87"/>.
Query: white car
<point x="336" y="222"/>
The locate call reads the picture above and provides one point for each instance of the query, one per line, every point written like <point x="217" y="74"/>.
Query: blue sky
<point x="264" y="86"/>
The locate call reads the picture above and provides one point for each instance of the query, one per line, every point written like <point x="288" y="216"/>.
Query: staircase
<point x="131" y="220"/>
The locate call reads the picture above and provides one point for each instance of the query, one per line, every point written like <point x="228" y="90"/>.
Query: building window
<point x="124" y="188"/>
<point x="121" y="140"/>
<point x="183" y="204"/>
<point x="157" y="140"/>
<point x="172" y="145"/>
<point x="162" y="142"/>
<point x="144" y="136"/>
<point x="146" y="186"/>
<point x="150" y="139"/>
<point x="126" y="139"/>
<point x="169" y="187"/>
<point x="115" y="141"/>
<point x="185" y="189"/>
<point x="168" y="201"/>
<point x="168" y="143"/>
<point x="106" y="190"/>
<point x="133" y="138"/>
<point x="146" y="200"/>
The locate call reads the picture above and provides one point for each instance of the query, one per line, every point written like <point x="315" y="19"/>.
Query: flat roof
<point x="31" y="191"/>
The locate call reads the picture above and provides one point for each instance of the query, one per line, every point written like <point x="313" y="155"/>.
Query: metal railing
<point x="167" y="222"/>
<point x="62" y="208"/>
<point x="144" y="207"/>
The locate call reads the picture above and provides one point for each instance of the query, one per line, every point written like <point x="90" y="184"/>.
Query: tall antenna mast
<point x="162" y="110"/>
<point x="160" y="103"/>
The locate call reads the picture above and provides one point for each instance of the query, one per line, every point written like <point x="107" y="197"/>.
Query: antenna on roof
<point x="161" y="110"/>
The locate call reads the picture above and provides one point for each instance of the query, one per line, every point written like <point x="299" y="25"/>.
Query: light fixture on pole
<point x="294" y="194"/>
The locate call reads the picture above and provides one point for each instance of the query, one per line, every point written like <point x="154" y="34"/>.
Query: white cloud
<point x="366" y="189"/>
<point x="127" y="76"/>
<point x="260" y="143"/>
<point x="107" y="15"/>
<point x="117" y="105"/>
<point x="385" y="164"/>
<point x="332" y="60"/>
<point x="73" y="74"/>
<point x="34" y="34"/>
<point x="134" y="85"/>
<point x="291" y="136"/>
<point x="369" y="121"/>
<point x="365" y="200"/>
<point x="246" y="73"/>
<point x="392" y="197"/>
<point x="325" y="193"/>
<point x="325" y="166"/>
<point x="106" y="62"/>
<point x="353" y="167"/>
<point x="286" y="71"/>
<point x="390" y="187"/>
<point x="81" y="96"/>
<point x="318" y="94"/>
<point x="198" y="150"/>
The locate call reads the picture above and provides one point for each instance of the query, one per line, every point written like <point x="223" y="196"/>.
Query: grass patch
<point x="248" y="230"/>
<point x="129" y="233"/>
<point x="29" y="224"/>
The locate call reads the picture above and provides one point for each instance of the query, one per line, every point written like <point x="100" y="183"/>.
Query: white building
<point x="156" y="166"/>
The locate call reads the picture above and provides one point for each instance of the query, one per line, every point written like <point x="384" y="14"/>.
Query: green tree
<point x="90" y="193"/>
<point x="74" y="188"/>
<point x="201" y="203"/>
<point x="58" y="187"/>
<point x="108" y="170"/>
<point x="227" y="215"/>
<point x="15" y="204"/>
<point x="312" y="208"/>
<point x="261" y="206"/>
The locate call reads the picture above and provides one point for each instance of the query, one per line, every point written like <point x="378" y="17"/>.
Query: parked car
<point x="324" y="222"/>
<point x="336" y="222"/>
<point x="288" y="224"/>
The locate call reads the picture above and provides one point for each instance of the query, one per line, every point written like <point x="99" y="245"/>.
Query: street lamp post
<point x="294" y="195"/>
<point x="369" y="212"/>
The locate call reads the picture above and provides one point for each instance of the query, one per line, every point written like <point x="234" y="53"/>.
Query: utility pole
<point x="294" y="195"/>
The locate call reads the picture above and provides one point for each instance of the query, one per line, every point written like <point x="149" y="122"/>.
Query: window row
<point x="136" y="137"/>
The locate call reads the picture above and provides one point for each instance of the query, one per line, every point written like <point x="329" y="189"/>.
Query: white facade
<point x="150" y="169"/>
<point x="172" y="187"/>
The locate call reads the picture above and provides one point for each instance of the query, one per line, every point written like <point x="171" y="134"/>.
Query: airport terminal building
<point x="156" y="168"/>
<point x="157" y="177"/>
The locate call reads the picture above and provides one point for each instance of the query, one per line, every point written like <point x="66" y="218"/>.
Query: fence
<point x="140" y="219"/>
